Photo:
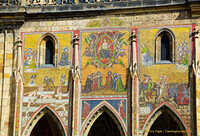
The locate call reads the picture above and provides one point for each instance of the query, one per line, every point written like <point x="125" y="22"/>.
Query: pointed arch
<point x="41" y="112"/>
<point x="43" y="42"/>
<point x="158" y="111"/>
<point x="168" y="34"/>
<point x="97" y="112"/>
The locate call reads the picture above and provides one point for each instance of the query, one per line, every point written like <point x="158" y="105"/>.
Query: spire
<point x="134" y="55"/>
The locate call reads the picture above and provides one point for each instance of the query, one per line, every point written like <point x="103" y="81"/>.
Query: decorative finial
<point x="19" y="42"/>
<point x="196" y="68"/>
<point x="134" y="36"/>
<point x="76" y="38"/>
<point x="196" y="32"/>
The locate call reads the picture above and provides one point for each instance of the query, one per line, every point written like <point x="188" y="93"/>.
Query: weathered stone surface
<point x="62" y="22"/>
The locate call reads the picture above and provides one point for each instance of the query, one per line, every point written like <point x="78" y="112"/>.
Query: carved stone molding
<point x="76" y="39"/>
<point x="196" y="68"/>
<point x="19" y="42"/>
<point x="196" y="32"/>
<point x="134" y="36"/>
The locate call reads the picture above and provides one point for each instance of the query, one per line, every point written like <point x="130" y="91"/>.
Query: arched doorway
<point x="46" y="126"/>
<point x="103" y="120"/>
<point x="166" y="123"/>
<point x="45" y="123"/>
<point x="104" y="126"/>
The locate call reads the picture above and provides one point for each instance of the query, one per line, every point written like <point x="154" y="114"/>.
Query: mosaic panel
<point x="164" y="82"/>
<point x="104" y="59"/>
<point x="46" y="85"/>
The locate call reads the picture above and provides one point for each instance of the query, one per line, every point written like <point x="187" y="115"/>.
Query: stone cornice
<point x="90" y="7"/>
<point x="17" y="14"/>
<point x="11" y="20"/>
<point x="195" y="9"/>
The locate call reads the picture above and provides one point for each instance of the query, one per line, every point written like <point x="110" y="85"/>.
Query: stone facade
<point x="106" y="59"/>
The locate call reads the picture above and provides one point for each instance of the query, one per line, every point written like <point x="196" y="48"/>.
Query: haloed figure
<point x="64" y="58"/>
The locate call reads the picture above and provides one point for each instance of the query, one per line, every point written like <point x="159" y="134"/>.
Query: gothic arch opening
<point x="165" y="123"/>
<point x="45" y="123"/>
<point x="164" y="46"/>
<point x="47" y="52"/>
<point x="103" y="121"/>
<point x="46" y="126"/>
<point x="104" y="126"/>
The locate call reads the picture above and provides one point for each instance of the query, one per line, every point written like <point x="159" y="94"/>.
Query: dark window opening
<point x="49" y="52"/>
<point x="165" y="48"/>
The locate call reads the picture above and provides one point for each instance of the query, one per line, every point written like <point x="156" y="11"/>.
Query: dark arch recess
<point x="48" y="125"/>
<point x="167" y="124"/>
<point x="104" y="126"/>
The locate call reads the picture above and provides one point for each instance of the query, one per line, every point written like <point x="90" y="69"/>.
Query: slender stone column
<point x="197" y="73"/>
<point x="2" y="49"/>
<point x="19" y="54"/>
<point x="7" y="72"/>
<point x="18" y="73"/>
<point x="76" y="89"/>
<point x="76" y="58"/>
<point x="135" y="87"/>
<point x="134" y="52"/>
